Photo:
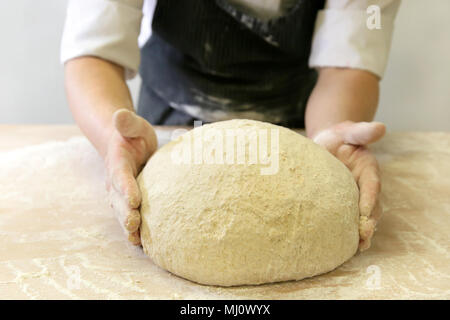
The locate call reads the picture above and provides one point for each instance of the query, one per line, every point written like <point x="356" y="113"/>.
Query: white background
<point x="415" y="92"/>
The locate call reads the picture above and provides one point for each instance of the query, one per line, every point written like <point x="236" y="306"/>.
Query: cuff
<point x="105" y="29"/>
<point x="342" y="39"/>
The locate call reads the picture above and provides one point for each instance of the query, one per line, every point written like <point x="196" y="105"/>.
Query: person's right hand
<point x="132" y="142"/>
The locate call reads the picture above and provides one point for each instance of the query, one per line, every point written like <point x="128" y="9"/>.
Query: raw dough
<point x="229" y="224"/>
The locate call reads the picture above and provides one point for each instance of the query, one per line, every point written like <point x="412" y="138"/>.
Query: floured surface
<point x="59" y="238"/>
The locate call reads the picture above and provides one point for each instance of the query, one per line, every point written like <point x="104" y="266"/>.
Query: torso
<point x="216" y="60"/>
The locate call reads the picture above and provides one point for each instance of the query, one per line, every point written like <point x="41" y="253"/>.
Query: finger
<point x="377" y="212"/>
<point x="350" y="155"/>
<point x="119" y="206"/>
<point x="129" y="218"/>
<point x="133" y="220"/>
<point x="369" y="187"/>
<point x="367" y="227"/>
<point x="135" y="238"/>
<point x="366" y="230"/>
<point x="364" y="244"/>
<point x="124" y="182"/>
<point x="361" y="133"/>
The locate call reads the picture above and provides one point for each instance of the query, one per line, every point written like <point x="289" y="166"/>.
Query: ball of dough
<point x="222" y="218"/>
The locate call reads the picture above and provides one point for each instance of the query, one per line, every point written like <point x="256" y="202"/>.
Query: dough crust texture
<point x="228" y="224"/>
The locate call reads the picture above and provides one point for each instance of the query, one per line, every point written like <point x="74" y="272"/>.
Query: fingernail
<point x="132" y="223"/>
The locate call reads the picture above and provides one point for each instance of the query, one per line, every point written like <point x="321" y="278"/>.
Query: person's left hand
<point x="347" y="141"/>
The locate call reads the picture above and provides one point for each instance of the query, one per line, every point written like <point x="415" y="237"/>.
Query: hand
<point x="347" y="141"/>
<point x="132" y="142"/>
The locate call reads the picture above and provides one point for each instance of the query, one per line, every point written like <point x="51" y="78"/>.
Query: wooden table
<point x="59" y="239"/>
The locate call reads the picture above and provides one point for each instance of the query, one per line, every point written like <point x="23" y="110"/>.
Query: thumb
<point x="129" y="124"/>
<point x="361" y="133"/>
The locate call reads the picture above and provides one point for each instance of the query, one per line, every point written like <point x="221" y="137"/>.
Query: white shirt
<point x="115" y="29"/>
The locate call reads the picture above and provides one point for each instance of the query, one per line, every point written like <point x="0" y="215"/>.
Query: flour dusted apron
<point x="209" y="60"/>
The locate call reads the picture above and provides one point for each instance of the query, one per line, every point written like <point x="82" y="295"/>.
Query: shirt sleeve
<point x="108" y="29"/>
<point x="345" y="35"/>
